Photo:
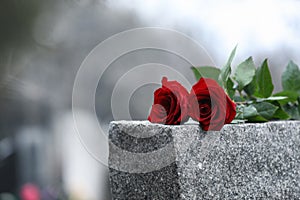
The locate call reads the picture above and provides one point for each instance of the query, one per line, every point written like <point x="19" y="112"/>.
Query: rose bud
<point x="170" y="104"/>
<point x="210" y="105"/>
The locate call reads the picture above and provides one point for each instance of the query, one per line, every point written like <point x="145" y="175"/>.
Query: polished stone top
<point x="242" y="161"/>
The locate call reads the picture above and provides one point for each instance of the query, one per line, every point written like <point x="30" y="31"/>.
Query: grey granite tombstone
<point x="242" y="161"/>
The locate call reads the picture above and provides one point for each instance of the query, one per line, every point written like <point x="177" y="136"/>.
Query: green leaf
<point x="265" y="109"/>
<point x="238" y="121"/>
<point x="281" y="114"/>
<point x="230" y="89"/>
<point x="226" y="70"/>
<point x="206" y="72"/>
<point x="244" y="73"/>
<point x="292" y="110"/>
<point x="291" y="97"/>
<point x="264" y="80"/>
<point x="251" y="88"/>
<point x="232" y="54"/>
<point x="276" y="98"/>
<point x="250" y="111"/>
<point x="245" y="112"/>
<point x="290" y="78"/>
<point x="272" y="98"/>
<point x="237" y="99"/>
<point x="257" y="118"/>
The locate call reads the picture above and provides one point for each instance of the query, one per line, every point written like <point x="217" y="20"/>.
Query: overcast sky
<point x="252" y="24"/>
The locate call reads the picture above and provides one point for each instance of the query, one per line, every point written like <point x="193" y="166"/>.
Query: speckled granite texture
<point x="244" y="161"/>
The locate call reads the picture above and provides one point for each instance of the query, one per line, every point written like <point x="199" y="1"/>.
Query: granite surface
<point x="242" y="161"/>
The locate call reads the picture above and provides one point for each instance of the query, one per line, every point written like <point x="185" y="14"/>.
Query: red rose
<point x="209" y="104"/>
<point x="170" y="104"/>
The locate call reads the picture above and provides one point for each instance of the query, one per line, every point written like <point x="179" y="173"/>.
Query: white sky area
<point x="252" y="24"/>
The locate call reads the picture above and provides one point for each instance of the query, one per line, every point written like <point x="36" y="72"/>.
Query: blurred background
<point x="43" y="43"/>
